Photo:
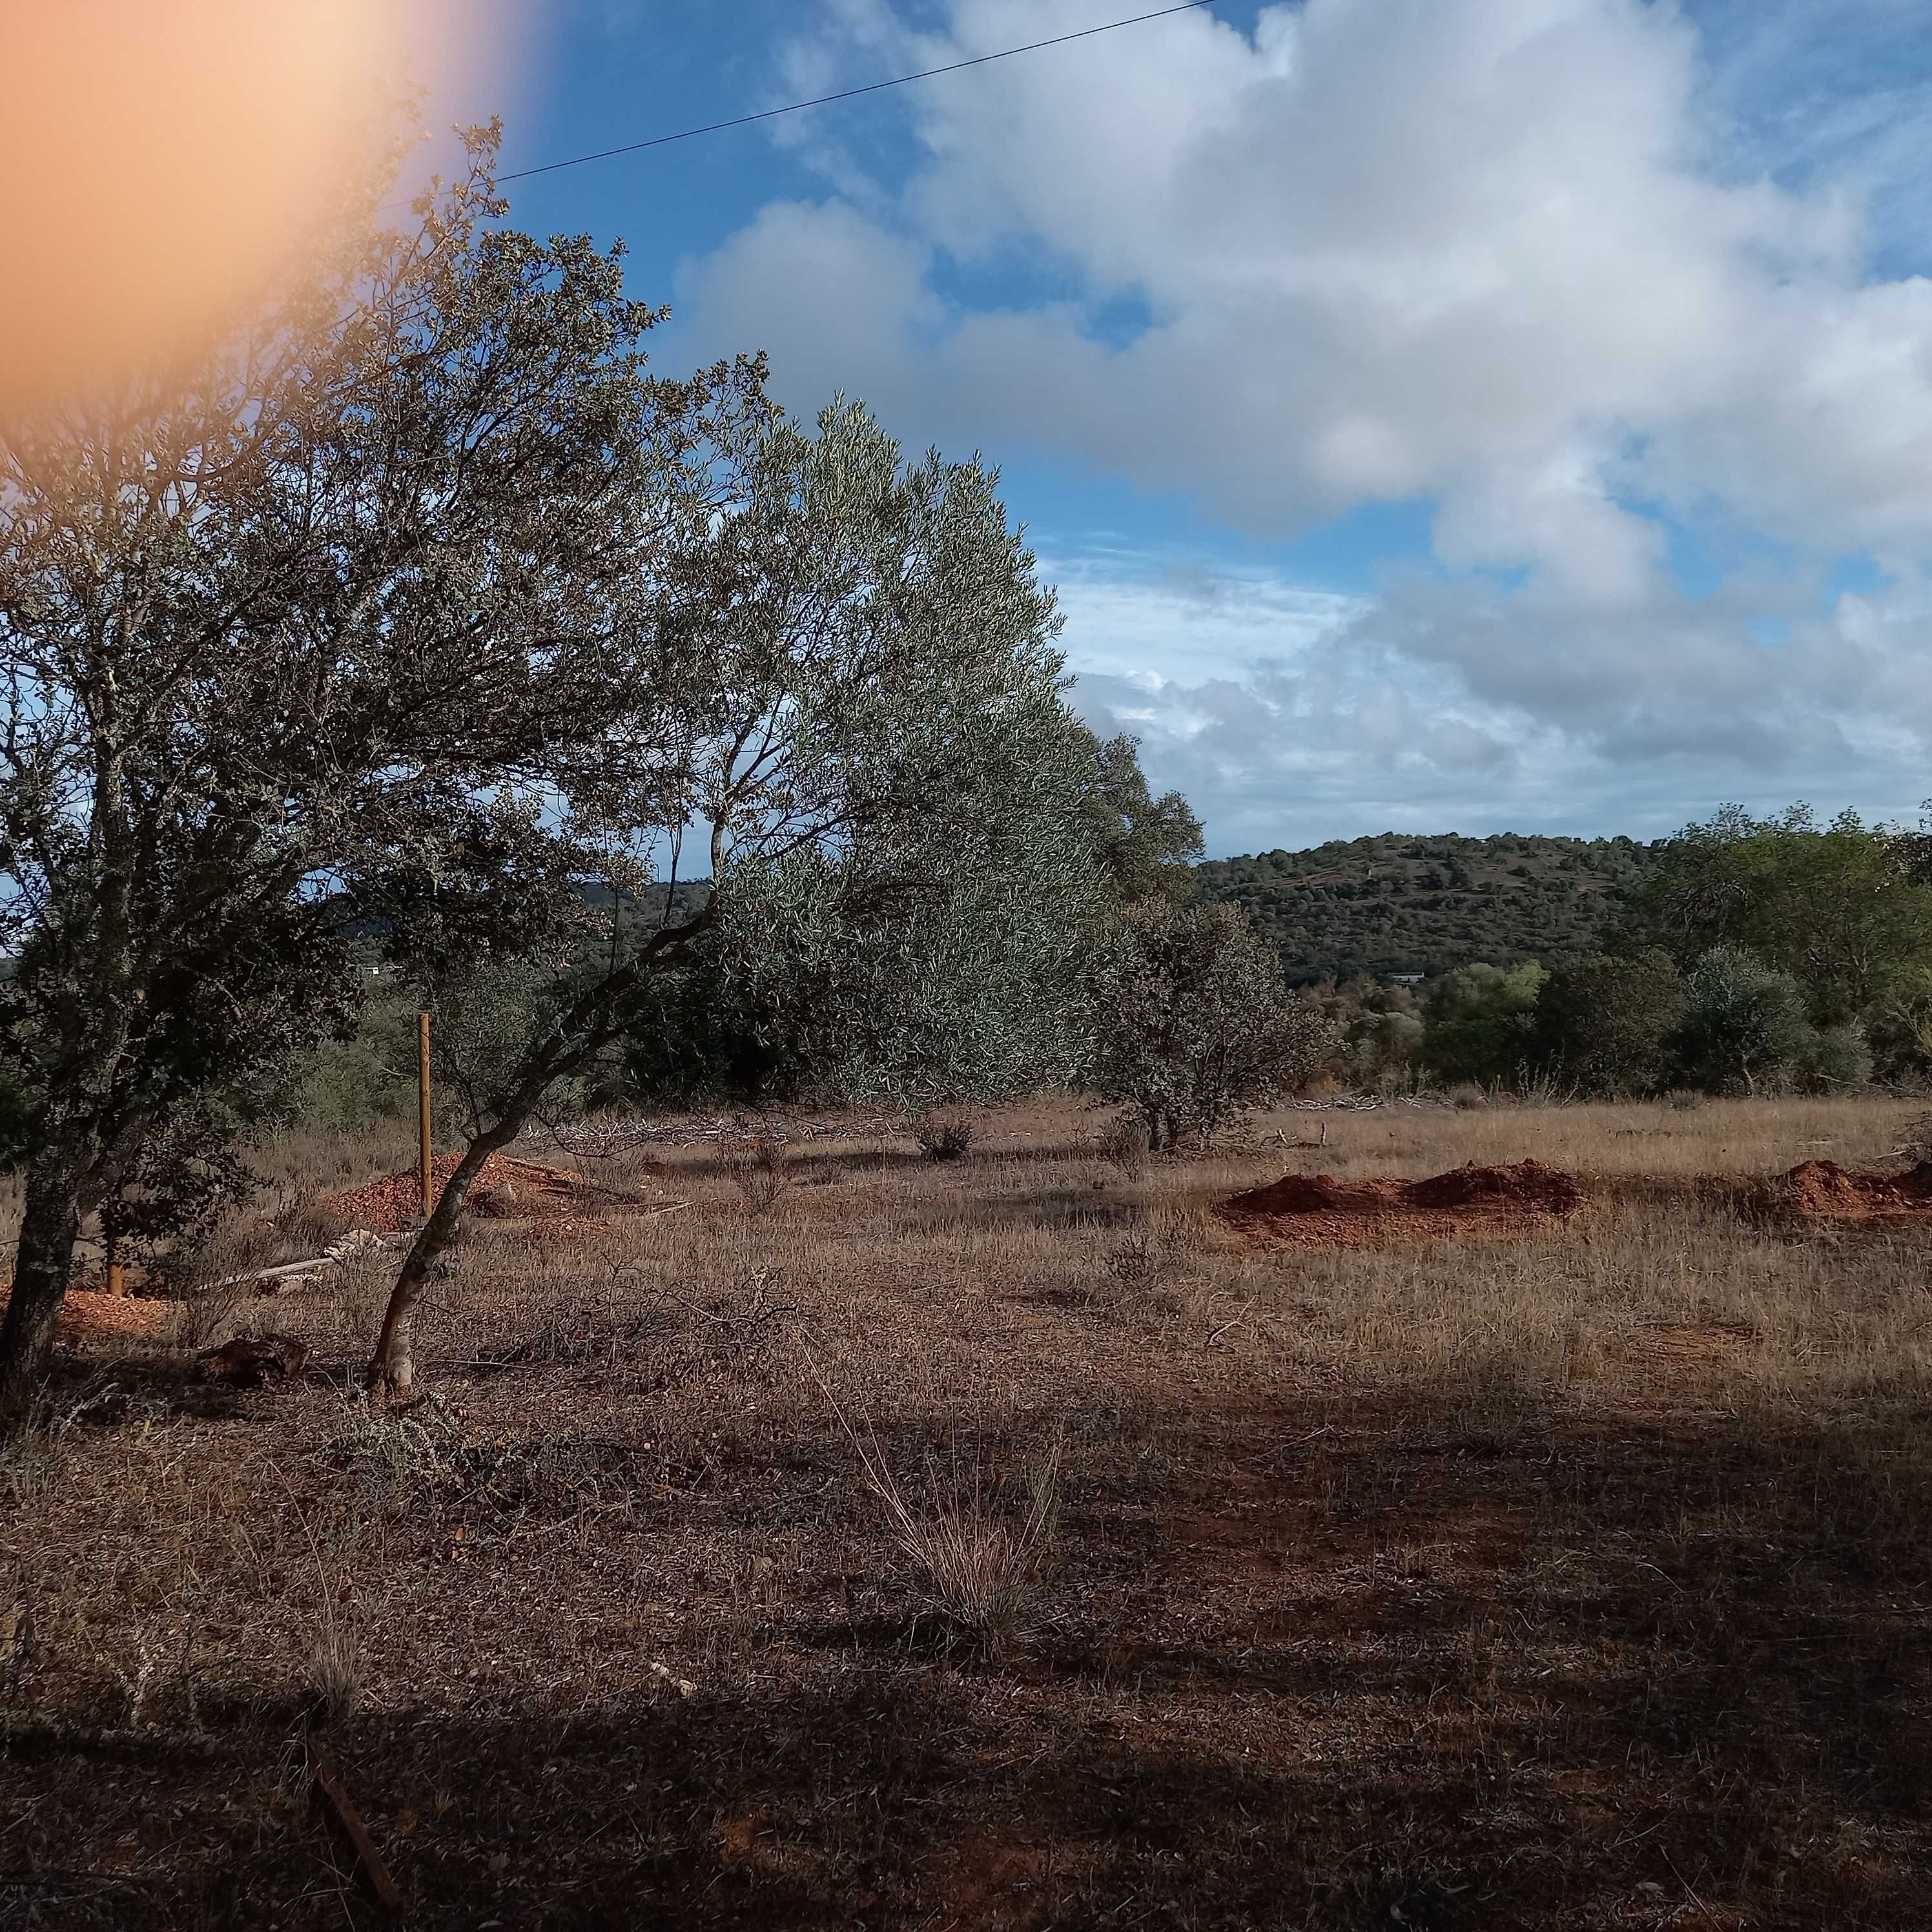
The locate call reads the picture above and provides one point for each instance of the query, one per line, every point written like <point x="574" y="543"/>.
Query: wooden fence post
<point x="422" y="1111"/>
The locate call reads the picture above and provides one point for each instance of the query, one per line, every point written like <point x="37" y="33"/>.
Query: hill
<point x="1403" y="904"/>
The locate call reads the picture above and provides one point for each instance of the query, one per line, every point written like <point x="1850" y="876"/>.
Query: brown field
<point x="1012" y="1542"/>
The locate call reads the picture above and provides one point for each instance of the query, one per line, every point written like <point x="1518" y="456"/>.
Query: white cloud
<point x="1511" y="256"/>
<point x="1289" y="717"/>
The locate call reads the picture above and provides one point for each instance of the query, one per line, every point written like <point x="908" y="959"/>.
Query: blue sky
<point x="1472" y="414"/>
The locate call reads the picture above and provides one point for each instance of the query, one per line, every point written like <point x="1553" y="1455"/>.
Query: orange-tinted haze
<point x="156" y="156"/>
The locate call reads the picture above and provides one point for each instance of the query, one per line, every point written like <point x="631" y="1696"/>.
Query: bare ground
<point x="1577" y="1580"/>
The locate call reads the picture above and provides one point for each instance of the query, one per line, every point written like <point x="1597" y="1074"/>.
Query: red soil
<point x="1320" y="1210"/>
<point x="1822" y="1188"/>
<point x="504" y="1190"/>
<point x="83" y="1313"/>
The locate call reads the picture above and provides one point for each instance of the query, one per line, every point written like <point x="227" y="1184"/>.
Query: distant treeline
<point x="1742" y="956"/>
<point x="1398" y="904"/>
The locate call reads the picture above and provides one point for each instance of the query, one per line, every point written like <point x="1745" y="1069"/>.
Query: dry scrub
<point x="1574" y="1581"/>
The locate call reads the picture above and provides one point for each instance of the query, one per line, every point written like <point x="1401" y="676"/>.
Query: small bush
<point x="1194" y="1027"/>
<point x="1140" y="1259"/>
<point x="760" y="1170"/>
<point x="1126" y="1143"/>
<point x="946" y="1136"/>
<point x="1837" y="1060"/>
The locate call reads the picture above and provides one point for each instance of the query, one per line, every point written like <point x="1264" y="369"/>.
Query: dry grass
<point x="1576" y="1581"/>
<point x="983" y="1543"/>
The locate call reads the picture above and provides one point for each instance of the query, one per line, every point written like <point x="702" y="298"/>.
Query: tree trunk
<point x="391" y="1373"/>
<point x="49" y="1226"/>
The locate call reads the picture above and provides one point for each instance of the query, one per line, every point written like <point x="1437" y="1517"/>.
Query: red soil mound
<point x="1322" y="1194"/>
<point x="504" y="1190"/>
<point x="1320" y="1210"/>
<point x="1824" y="1189"/>
<point x="1528" y="1185"/>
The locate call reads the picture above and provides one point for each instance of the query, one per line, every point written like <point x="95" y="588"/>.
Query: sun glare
<point x="160" y="159"/>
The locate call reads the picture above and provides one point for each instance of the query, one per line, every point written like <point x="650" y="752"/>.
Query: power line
<point x="851" y="93"/>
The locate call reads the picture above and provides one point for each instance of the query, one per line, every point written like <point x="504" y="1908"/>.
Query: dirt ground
<point x="1011" y="1542"/>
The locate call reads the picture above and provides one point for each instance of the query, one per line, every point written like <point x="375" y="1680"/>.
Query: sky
<point x="1470" y="415"/>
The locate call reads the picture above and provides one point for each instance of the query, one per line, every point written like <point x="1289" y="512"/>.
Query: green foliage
<point x="351" y="1085"/>
<point x="1195" y="1024"/>
<point x="1839" y="1059"/>
<point x="1843" y="908"/>
<point x="276" y="617"/>
<point x="1384" y="1051"/>
<point x="1403" y="904"/>
<point x="1744" y="1028"/>
<point x="1146" y="847"/>
<point x="1604" y="1025"/>
<point x="967" y="986"/>
<point x="862" y="702"/>
<point x="1480" y="1019"/>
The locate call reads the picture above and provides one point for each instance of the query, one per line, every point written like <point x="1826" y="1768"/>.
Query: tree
<point x="862" y="718"/>
<point x="1478" y="1022"/>
<point x="1148" y="847"/>
<point x="271" y="620"/>
<point x="1744" y="1028"/>
<point x="1194" y="1023"/>
<point x="1604" y="1025"/>
<point x="1843" y="908"/>
<point x="1383" y="1045"/>
<point x="970" y="991"/>
<point x="1838" y="1060"/>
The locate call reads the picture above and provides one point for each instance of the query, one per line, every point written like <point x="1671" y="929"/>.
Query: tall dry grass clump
<point x="982" y="1545"/>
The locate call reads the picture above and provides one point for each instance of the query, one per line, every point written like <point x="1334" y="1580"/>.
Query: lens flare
<point x="161" y="159"/>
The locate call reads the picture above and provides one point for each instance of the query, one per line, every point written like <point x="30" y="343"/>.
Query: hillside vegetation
<point x="1402" y="904"/>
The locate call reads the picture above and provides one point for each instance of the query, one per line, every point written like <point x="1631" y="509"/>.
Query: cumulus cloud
<point x="1514" y="257"/>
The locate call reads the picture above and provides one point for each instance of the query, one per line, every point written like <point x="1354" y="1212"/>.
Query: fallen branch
<point x="282" y="1269"/>
<point x="342" y="1812"/>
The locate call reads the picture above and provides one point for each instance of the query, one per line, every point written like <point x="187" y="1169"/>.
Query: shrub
<point x="1479" y="1019"/>
<point x="1604" y="1025"/>
<point x="1838" y="1060"/>
<point x="982" y="1547"/>
<point x="1744" y="1029"/>
<point x="1123" y="1142"/>
<point x="946" y="1136"/>
<point x="760" y="1169"/>
<point x="1140" y="1259"/>
<point x="1194" y="1023"/>
<point x="1382" y="1049"/>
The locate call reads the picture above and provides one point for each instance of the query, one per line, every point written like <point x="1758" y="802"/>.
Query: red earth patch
<point x="1322" y="1210"/>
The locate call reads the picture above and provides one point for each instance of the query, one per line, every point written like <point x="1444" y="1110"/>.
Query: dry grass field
<point x="1009" y="1542"/>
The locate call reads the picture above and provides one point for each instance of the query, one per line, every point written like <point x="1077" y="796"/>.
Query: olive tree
<point x="277" y="619"/>
<point x="1744" y="1029"/>
<point x="861" y="720"/>
<point x="971" y="989"/>
<point x="1194" y="1024"/>
<point x="1604" y="1025"/>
